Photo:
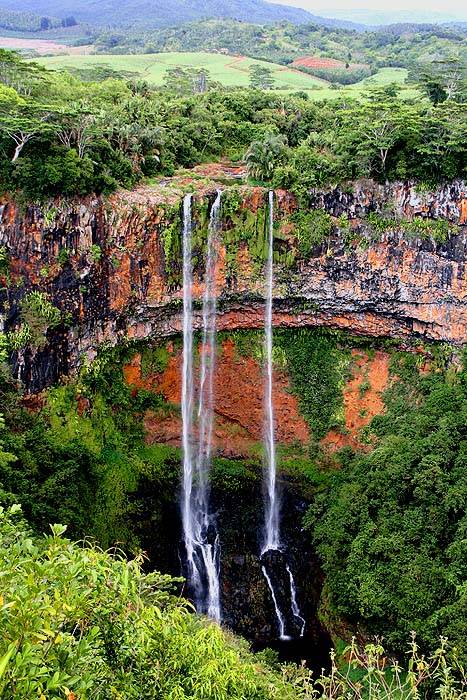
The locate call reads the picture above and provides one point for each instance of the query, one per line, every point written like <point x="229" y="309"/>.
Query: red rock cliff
<point x="104" y="262"/>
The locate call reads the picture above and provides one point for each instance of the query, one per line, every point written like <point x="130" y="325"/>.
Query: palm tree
<point x="262" y="156"/>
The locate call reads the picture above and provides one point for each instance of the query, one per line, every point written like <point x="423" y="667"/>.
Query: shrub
<point x="81" y="623"/>
<point x="37" y="314"/>
<point x="312" y="229"/>
<point x="262" y="156"/>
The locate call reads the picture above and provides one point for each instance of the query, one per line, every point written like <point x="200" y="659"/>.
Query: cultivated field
<point x="231" y="71"/>
<point x="321" y="63"/>
<point x="40" y="46"/>
<point x="385" y="76"/>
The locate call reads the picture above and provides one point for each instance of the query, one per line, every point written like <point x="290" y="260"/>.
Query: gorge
<point x="233" y="362"/>
<point x="355" y="285"/>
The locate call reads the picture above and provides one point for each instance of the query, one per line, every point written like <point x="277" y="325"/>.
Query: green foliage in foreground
<point x="391" y="528"/>
<point x="79" y="623"/>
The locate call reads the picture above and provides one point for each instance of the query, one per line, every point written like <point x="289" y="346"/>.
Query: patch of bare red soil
<point x="320" y="63"/>
<point x="362" y="398"/>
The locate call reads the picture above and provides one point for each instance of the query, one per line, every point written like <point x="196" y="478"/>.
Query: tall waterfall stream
<point x="201" y="539"/>
<point x="199" y="530"/>
<point x="272" y="542"/>
<point x="271" y="526"/>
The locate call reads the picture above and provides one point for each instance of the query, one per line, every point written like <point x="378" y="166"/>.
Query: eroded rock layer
<point x="110" y="265"/>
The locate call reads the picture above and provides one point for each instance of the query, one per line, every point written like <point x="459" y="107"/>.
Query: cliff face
<point x="113" y="265"/>
<point x="239" y="391"/>
<point x="113" y="268"/>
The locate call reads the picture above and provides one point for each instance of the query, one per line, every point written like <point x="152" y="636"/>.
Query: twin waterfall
<point x="199" y="530"/>
<point x="201" y="539"/>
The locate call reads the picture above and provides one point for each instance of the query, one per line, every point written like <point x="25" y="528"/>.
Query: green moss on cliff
<point x="317" y="366"/>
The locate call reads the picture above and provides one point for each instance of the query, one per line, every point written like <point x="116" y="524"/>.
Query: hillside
<point x="230" y="71"/>
<point x="401" y="46"/>
<point x="28" y="21"/>
<point x="157" y="13"/>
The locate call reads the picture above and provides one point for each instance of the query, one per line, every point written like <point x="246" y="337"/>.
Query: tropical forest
<point x="233" y="351"/>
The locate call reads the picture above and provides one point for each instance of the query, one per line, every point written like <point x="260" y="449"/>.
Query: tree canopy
<point x="391" y="528"/>
<point x="115" y="131"/>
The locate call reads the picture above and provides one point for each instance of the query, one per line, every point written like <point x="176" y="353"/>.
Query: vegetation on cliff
<point x="391" y="526"/>
<point x="78" y="458"/>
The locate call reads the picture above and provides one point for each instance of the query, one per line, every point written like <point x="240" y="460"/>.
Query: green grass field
<point x="385" y="76"/>
<point x="230" y="71"/>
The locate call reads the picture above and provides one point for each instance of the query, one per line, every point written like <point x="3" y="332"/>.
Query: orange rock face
<point x="239" y="407"/>
<point x="362" y="398"/>
<point x="120" y="277"/>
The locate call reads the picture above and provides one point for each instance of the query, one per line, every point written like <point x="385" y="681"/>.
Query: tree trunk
<point x="18" y="150"/>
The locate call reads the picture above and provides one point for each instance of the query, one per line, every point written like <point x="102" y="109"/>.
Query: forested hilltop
<point x="60" y="135"/>
<point x="29" y="22"/>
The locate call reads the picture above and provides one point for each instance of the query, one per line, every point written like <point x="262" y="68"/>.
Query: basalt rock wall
<point x="105" y="263"/>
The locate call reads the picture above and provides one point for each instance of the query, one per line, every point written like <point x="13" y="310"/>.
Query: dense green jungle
<point x="96" y="600"/>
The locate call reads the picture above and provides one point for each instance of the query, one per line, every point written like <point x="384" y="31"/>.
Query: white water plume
<point x="201" y="538"/>
<point x="271" y="540"/>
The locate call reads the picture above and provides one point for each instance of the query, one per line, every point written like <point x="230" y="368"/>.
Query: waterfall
<point x="293" y="598"/>
<point x="206" y="533"/>
<point x="187" y="396"/>
<point x="271" y="539"/>
<point x="201" y="538"/>
<point x="279" y="615"/>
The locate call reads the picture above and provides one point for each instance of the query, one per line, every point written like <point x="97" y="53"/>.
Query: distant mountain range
<point x="374" y="18"/>
<point x="158" y="13"/>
